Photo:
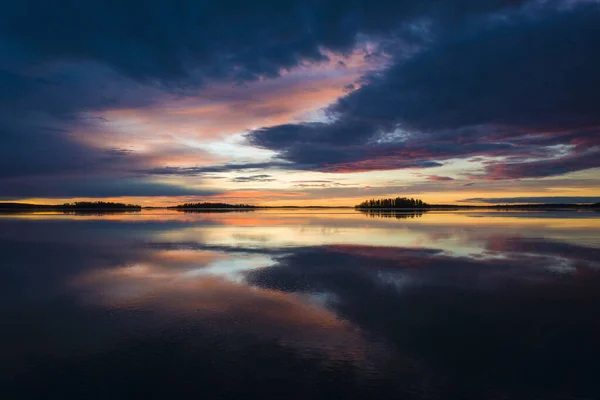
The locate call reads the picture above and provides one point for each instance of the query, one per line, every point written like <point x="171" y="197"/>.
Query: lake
<point x="301" y="304"/>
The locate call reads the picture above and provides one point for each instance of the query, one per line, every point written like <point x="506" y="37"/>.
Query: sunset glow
<point x="402" y="101"/>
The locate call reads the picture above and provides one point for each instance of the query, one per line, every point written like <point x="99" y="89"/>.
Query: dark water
<point x="300" y="305"/>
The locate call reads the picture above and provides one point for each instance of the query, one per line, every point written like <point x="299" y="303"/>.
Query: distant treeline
<point x="80" y="205"/>
<point x="545" y="206"/>
<point x="196" y="206"/>
<point x="410" y="203"/>
<point x="398" y="202"/>
<point x="373" y="204"/>
<point x="99" y="205"/>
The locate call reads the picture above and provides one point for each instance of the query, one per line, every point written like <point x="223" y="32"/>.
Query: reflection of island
<point x="80" y="207"/>
<point x="213" y="207"/>
<point x="213" y="210"/>
<point x="398" y="214"/>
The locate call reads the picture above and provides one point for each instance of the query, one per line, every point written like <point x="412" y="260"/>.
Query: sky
<point x="300" y="102"/>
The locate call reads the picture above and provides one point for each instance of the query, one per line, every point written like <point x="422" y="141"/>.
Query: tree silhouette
<point x="398" y="202"/>
<point x="191" y="206"/>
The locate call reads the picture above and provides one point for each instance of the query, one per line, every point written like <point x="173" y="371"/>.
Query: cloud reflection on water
<point x="483" y="300"/>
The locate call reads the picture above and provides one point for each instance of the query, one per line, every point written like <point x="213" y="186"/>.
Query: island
<point x="79" y="206"/>
<point x="392" y="203"/>
<point x="212" y="207"/>
<point x="405" y="203"/>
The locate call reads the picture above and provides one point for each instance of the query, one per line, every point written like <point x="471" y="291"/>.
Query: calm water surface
<point x="300" y="305"/>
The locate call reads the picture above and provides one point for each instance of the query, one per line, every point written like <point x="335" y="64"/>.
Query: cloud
<point x="573" y="162"/>
<point x="45" y="118"/>
<point x="254" y="178"/>
<point x="481" y="90"/>
<point x="184" y="43"/>
<point x="82" y="186"/>
<point x="538" y="199"/>
<point x="193" y="171"/>
<point x="437" y="178"/>
<point x="319" y="183"/>
<point x="349" y="87"/>
<point x="64" y="66"/>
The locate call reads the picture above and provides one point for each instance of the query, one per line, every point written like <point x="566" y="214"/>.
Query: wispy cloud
<point x="437" y="178"/>
<point x="253" y="178"/>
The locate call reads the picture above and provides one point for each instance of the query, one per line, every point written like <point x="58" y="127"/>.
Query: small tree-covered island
<point x="391" y="203"/>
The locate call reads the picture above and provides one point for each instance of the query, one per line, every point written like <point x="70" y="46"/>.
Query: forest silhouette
<point x="391" y="203"/>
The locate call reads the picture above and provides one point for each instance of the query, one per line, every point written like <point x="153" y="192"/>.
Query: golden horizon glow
<point x="446" y="198"/>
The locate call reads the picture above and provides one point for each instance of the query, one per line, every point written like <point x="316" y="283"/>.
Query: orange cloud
<point x="166" y="129"/>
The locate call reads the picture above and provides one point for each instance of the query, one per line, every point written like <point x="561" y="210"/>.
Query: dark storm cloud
<point x="43" y="126"/>
<point x="538" y="199"/>
<point x="491" y="88"/>
<point x="175" y="41"/>
<point x="36" y="150"/>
